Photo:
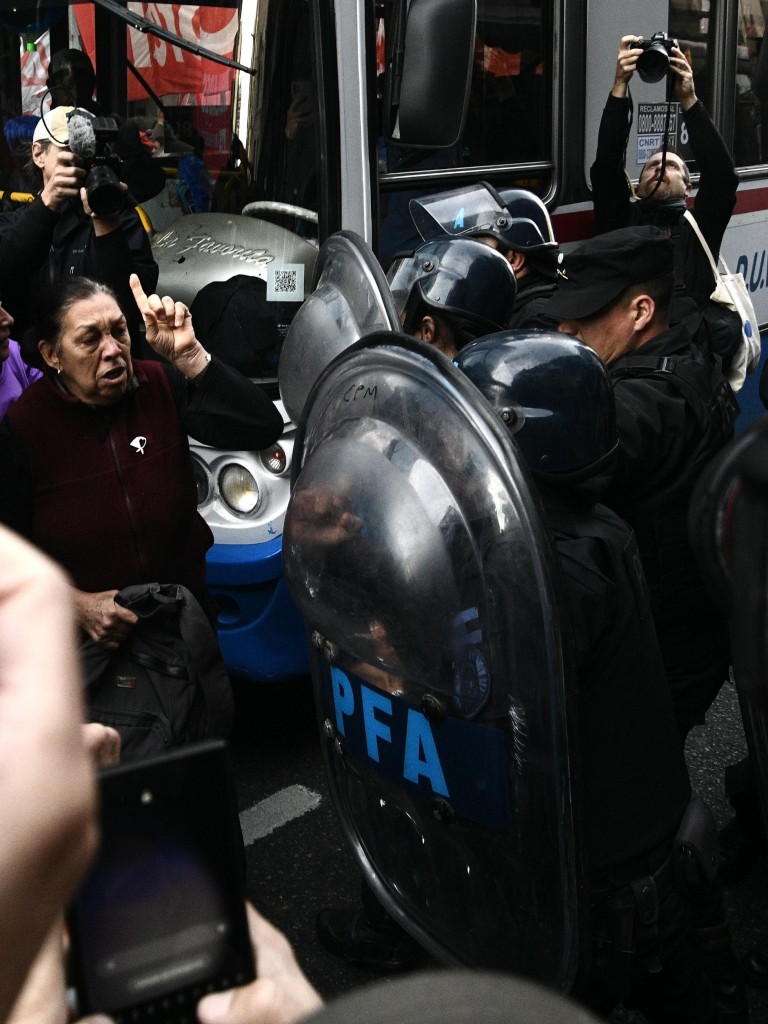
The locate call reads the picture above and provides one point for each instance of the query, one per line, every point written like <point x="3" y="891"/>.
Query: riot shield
<point x="350" y="297"/>
<point x="729" y="530"/>
<point x="415" y="550"/>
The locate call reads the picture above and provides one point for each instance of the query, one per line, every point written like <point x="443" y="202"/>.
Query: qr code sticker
<point x="285" y="283"/>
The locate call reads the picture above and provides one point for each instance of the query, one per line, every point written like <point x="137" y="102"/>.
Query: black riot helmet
<point x="471" y="285"/>
<point x="554" y="395"/>
<point x="530" y="229"/>
<point x="517" y="218"/>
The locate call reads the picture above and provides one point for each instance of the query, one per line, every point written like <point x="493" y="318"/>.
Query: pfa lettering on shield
<point x="461" y="762"/>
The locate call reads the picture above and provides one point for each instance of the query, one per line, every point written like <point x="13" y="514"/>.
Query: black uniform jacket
<point x="674" y="412"/>
<point x="634" y="781"/>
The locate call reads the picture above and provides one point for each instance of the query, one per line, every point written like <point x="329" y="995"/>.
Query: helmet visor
<point x="473" y="210"/>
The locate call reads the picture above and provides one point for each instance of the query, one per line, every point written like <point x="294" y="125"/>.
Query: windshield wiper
<point x="143" y="25"/>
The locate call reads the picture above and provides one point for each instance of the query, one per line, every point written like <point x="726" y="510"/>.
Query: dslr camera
<point x="90" y="139"/>
<point x="653" y="62"/>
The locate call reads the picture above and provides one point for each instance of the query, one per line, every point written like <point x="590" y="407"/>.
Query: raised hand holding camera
<point x="653" y="59"/>
<point x="89" y="140"/>
<point x="65" y="180"/>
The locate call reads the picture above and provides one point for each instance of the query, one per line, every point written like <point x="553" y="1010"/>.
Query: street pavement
<point x="299" y="859"/>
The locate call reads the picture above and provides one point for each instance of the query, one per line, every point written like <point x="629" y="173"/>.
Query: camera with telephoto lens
<point x="89" y="139"/>
<point x="653" y="62"/>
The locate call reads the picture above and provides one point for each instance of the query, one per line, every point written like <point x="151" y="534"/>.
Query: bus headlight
<point x="203" y="482"/>
<point x="274" y="459"/>
<point x="239" y="489"/>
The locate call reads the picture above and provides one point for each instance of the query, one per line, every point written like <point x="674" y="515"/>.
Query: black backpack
<point x="166" y="685"/>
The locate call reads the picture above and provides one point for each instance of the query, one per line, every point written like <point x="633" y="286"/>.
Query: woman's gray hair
<point x="53" y="304"/>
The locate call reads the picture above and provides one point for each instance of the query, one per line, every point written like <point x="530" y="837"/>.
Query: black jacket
<point x="674" y="412"/>
<point x="534" y="291"/>
<point x="39" y="246"/>
<point x="712" y="207"/>
<point x="634" y="780"/>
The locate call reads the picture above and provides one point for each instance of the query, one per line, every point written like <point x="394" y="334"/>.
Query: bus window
<point x="509" y="122"/>
<point x="181" y="101"/>
<point x="508" y="118"/>
<point x="692" y="24"/>
<point x="285" y="145"/>
<point x="750" y="142"/>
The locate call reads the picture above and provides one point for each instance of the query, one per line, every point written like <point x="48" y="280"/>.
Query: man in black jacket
<point x="662" y="202"/>
<point x="674" y="411"/>
<point x="58" y="235"/>
<point x="661" y="195"/>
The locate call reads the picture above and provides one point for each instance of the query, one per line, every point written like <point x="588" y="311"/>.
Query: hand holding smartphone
<point x="160" y="919"/>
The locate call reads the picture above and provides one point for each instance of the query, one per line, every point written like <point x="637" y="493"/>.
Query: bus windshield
<point x="225" y="138"/>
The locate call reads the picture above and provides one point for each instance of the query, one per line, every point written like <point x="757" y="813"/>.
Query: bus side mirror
<point x="429" y="72"/>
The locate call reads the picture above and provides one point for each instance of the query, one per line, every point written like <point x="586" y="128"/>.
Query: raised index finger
<point x="138" y="293"/>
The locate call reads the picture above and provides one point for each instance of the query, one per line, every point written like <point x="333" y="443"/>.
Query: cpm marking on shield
<point x="463" y="762"/>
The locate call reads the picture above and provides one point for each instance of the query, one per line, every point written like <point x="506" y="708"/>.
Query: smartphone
<point x="160" y="918"/>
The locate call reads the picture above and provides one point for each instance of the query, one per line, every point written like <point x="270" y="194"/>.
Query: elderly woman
<point x="94" y="461"/>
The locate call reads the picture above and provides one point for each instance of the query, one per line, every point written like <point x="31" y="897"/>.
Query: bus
<point x="280" y="122"/>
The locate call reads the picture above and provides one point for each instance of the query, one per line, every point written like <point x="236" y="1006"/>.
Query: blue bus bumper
<point x="261" y="633"/>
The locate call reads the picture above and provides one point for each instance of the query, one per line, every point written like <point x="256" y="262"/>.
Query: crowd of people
<point x="96" y="474"/>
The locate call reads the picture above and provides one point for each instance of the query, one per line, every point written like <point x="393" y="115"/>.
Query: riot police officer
<point x="513" y="221"/>
<point x="452" y="290"/>
<point x="556" y="398"/>
<point x="675" y="410"/>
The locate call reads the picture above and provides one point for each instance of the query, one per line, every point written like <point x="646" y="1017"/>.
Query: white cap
<point x="53" y="127"/>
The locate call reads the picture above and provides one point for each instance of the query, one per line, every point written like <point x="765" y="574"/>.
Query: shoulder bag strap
<point x="692" y="221"/>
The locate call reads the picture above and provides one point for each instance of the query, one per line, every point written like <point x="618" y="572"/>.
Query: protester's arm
<point x="718" y="179"/>
<point x="97" y="614"/>
<point x="226" y="410"/>
<point x="47" y="795"/>
<point x="610" y="187"/>
<point x="218" y="405"/>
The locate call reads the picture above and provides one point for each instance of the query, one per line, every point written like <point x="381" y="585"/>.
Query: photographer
<point x="58" y="235"/>
<point x="663" y="206"/>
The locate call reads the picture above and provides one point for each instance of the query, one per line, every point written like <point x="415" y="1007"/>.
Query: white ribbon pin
<point x="139" y="443"/>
